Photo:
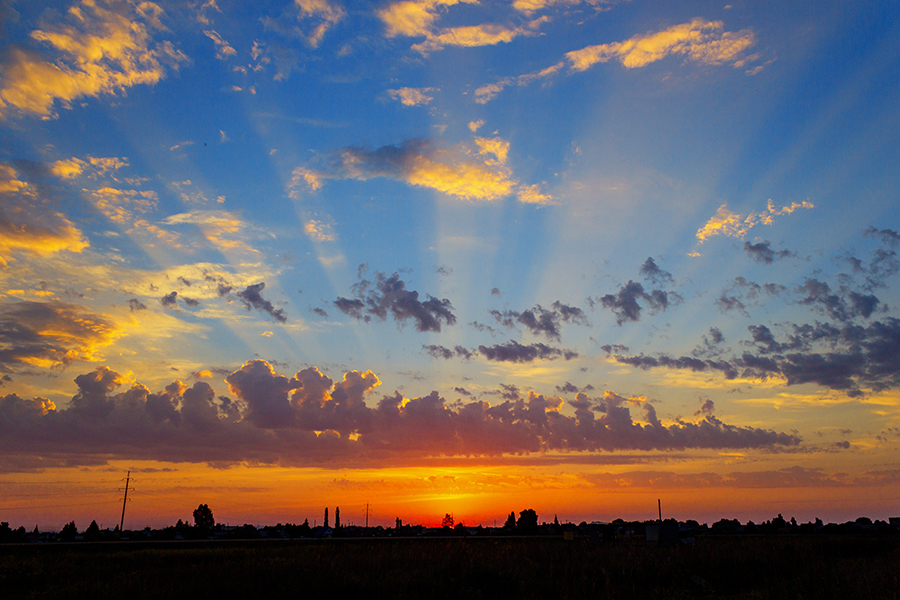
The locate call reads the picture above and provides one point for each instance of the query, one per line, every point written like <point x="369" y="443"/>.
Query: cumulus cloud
<point x="408" y="96"/>
<point x="48" y="334"/>
<point x="251" y="296"/>
<point x="728" y="223"/>
<point x="651" y="271"/>
<point x="388" y="295"/>
<point x="102" y="48"/>
<point x="309" y="419"/>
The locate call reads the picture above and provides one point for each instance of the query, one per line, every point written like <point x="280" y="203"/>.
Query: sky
<point x="448" y="256"/>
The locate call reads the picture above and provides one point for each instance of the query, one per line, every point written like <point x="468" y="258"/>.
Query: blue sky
<point x="683" y="211"/>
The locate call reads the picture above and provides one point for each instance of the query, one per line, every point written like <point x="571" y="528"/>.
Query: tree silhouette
<point x="527" y="522"/>
<point x="448" y="521"/>
<point x="337" y="517"/>
<point x="69" y="531"/>
<point x="203" y="518"/>
<point x="326" y="517"/>
<point x="510" y="521"/>
<point x="92" y="533"/>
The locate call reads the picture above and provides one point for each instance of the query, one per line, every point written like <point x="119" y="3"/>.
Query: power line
<point x="124" y="501"/>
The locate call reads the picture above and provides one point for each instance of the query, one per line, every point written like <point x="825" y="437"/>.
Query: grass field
<point x="796" y="566"/>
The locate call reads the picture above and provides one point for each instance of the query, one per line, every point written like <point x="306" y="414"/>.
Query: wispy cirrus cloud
<point x="701" y="41"/>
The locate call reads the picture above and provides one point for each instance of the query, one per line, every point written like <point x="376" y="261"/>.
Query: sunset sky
<point x="449" y="256"/>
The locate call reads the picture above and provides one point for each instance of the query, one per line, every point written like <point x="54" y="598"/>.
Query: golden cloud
<point x="26" y="223"/>
<point x="413" y="18"/>
<point x="473" y="36"/>
<point x="700" y="40"/>
<point x="412" y="96"/>
<point x="101" y="51"/>
<point x="47" y="334"/>
<point x="731" y="224"/>
<point x="119" y="206"/>
<point x="319" y="231"/>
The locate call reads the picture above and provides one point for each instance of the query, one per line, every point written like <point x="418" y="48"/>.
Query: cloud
<point x="308" y="20"/>
<point x="515" y="352"/>
<point x="252" y="298"/>
<point x="438" y="351"/>
<point x="308" y="419"/>
<point x="701" y="41"/>
<point x="488" y="34"/>
<point x="223" y="48"/>
<point x="475" y="171"/>
<point x="626" y="306"/>
<point x="540" y="321"/>
<point x="319" y="231"/>
<point x="48" y="334"/>
<point x="651" y="271"/>
<point x="104" y="48"/>
<point x="28" y="223"/>
<point x="839" y="307"/>
<point x="725" y="222"/>
<point x="762" y="252"/>
<point x="412" y="96"/>
<point x="531" y="6"/>
<point x="849" y="358"/>
<point x="388" y="295"/>
<point x="888" y="236"/>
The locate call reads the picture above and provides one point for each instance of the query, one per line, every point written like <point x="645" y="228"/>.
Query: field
<point x="797" y="566"/>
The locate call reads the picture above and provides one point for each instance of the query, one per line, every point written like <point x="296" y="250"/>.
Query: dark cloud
<point x="223" y="290"/>
<point x="443" y="270"/>
<point x="707" y="408"/>
<point x="762" y="252"/>
<point x="537" y="320"/>
<point x="849" y="358"/>
<point x="438" y="351"/>
<point x="170" y="300"/>
<point x="711" y="344"/>
<point x="888" y="236"/>
<point x="483" y="327"/>
<point x="841" y="307"/>
<point x="626" y="305"/>
<point x="610" y="348"/>
<point x="55" y="333"/>
<point x="515" y="352"/>
<point x="567" y="388"/>
<point x="319" y="311"/>
<point x="275" y="420"/>
<point x="652" y="272"/>
<point x="184" y="281"/>
<point x="464" y="392"/>
<point x="190" y="302"/>
<point x="388" y="295"/>
<point x="136" y="305"/>
<point x="252" y="298"/>
<point x="496" y="292"/>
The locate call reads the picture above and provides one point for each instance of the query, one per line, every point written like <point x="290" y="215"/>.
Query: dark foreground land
<point x="797" y="566"/>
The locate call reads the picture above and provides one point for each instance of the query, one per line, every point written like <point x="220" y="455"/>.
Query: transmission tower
<point x="124" y="502"/>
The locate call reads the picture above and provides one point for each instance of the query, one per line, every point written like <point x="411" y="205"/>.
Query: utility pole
<point x="659" y="508"/>
<point x="124" y="501"/>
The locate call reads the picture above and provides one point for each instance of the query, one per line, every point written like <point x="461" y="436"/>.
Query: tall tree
<point x="448" y="521"/>
<point x="337" y="517"/>
<point x="203" y="518"/>
<point x="326" y="516"/>
<point x="527" y="522"/>
<point x="510" y="521"/>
